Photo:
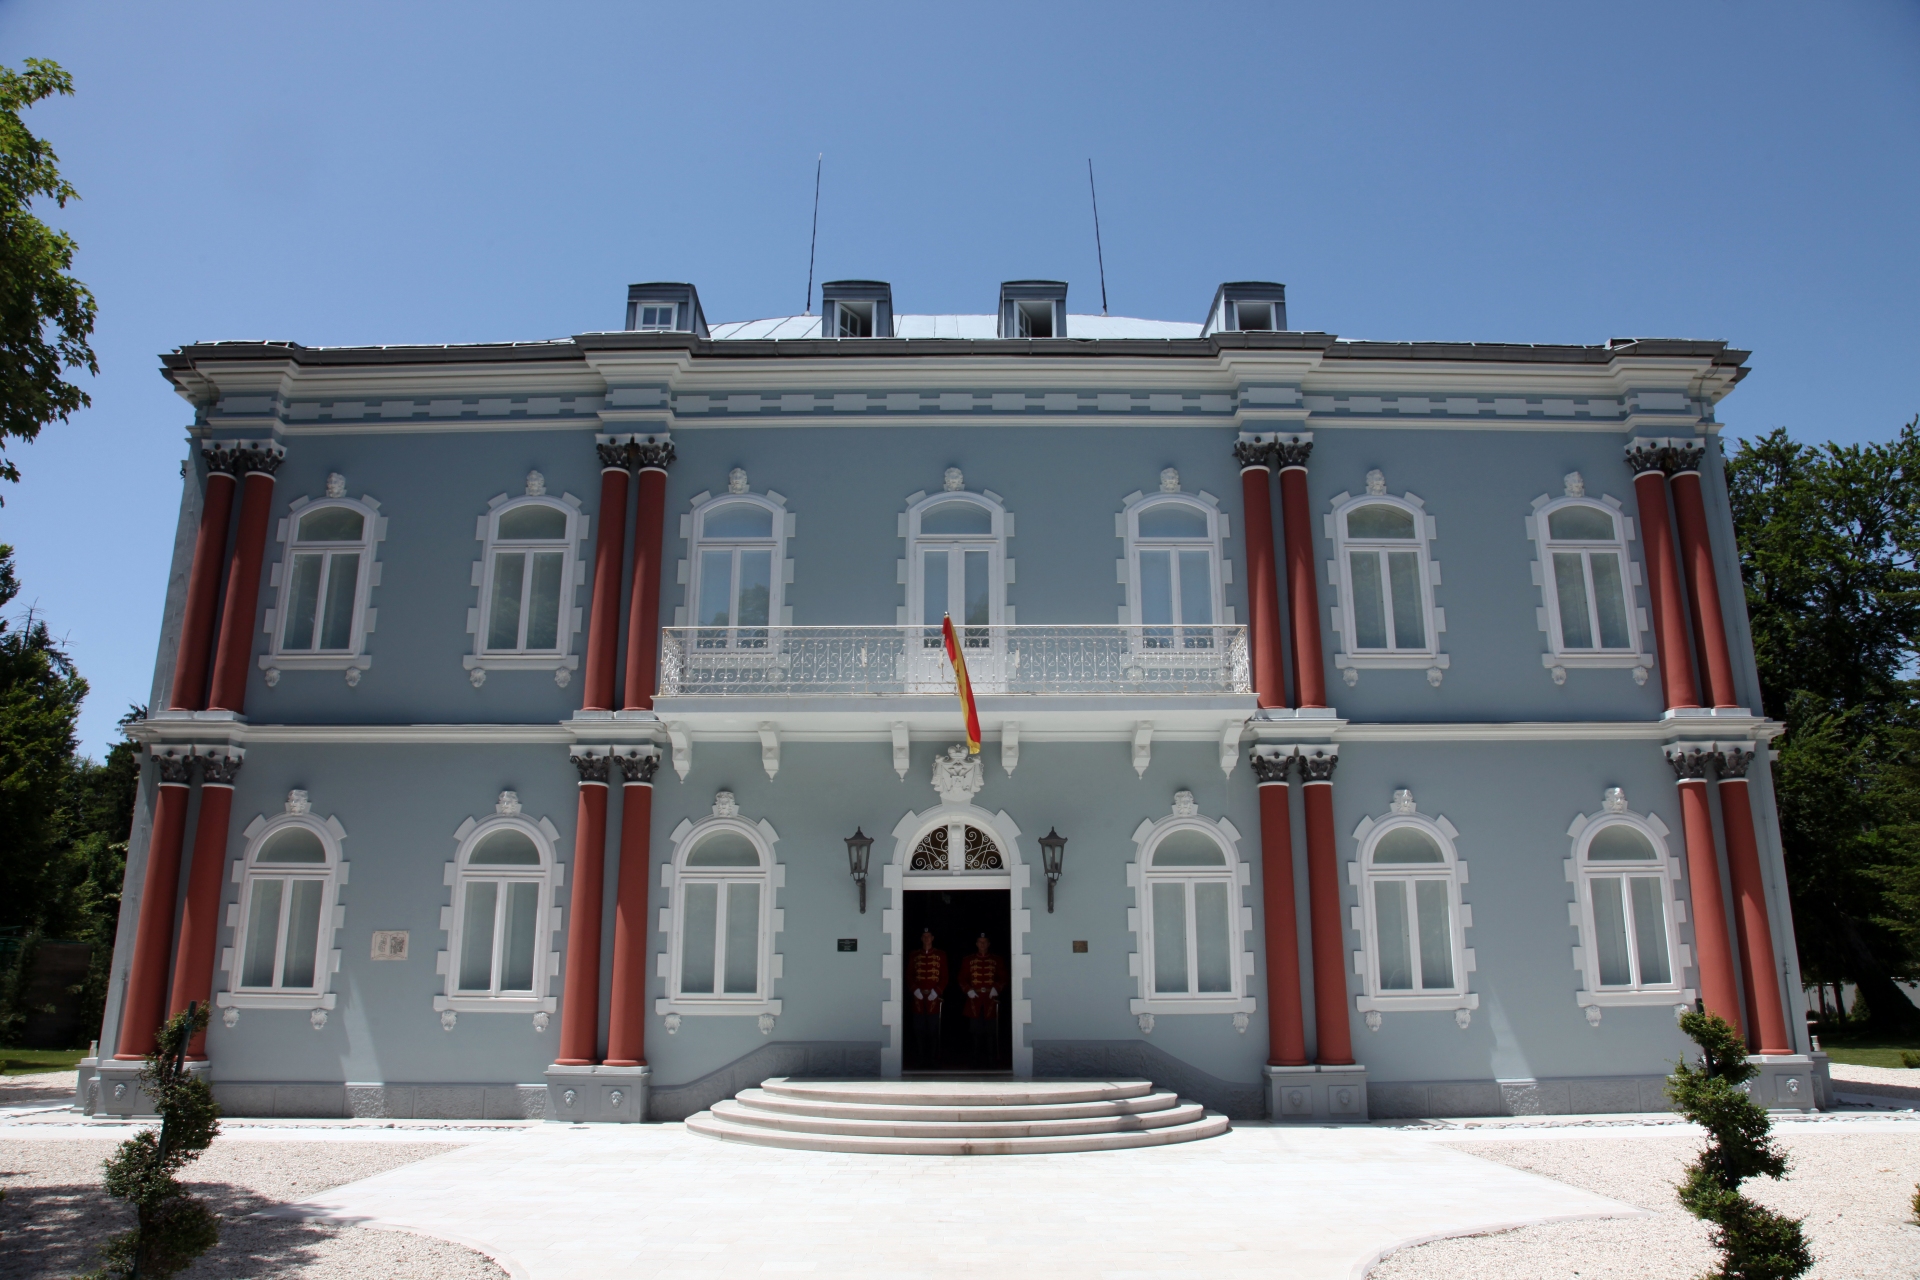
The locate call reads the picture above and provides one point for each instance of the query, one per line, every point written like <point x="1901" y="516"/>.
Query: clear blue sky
<point x="349" y="173"/>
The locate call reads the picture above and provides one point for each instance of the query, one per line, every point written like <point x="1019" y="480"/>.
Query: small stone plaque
<point x="849" y="944"/>
<point x="1079" y="946"/>
<point x="389" y="944"/>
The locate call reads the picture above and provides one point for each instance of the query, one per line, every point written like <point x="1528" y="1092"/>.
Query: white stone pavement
<point x="555" y="1202"/>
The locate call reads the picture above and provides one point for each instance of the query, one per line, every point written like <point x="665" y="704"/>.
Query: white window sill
<point x="716" y="1008"/>
<point x="1162" y="1006"/>
<point x="1414" y="1004"/>
<point x="1631" y="999"/>
<point x="495" y="1004"/>
<point x="520" y="662"/>
<point x="1391" y="661"/>
<point x="275" y="999"/>
<point x="315" y="661"/>
<point x="1595" y="661"/>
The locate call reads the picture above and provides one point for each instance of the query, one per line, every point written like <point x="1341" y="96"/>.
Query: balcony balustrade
<point x="1038" y="660"/>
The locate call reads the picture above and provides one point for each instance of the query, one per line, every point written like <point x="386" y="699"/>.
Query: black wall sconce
<point x="1053" y="852"/>
<point x="859" y="849"/>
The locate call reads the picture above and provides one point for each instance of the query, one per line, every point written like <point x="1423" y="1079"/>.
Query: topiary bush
<point x="173" y="1227"/>
<point x="1755" y="1243"/>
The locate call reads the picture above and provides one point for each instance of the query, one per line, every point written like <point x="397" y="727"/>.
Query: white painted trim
<point x="1453" y="871"/>
<point x="1672" y="874"/>
<point x="560" y="660"/>
<point x="1128" y="569"/>
<point x="770" y="876"/>
<point x="1558" y="659"/>
<point x="354" y="656"/>
<point x="1349" y="657"/>
<point x="246" y="871"/>
<point x="1236" y="875"/>
<point x="550" y="876"/>
<point x="778" y="609"/>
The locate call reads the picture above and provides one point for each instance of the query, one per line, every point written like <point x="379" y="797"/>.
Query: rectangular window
<point x="476" y="936"/>
<point x="303" y="933"/>
<point x="700" y="926"/>
<point x="736" y="598"/>
<point x="524" y="611"/>
<point x="1192" y="938"/>
<point x="1591" y="593"/>
<point x="1033" y="319"/>
<point x="933" y="581"/>
<point x="654" y="315"/>
<point x="1390" y="923"/>
<point x="855" y="319"/>
<point x="743" y="939"/>
<point x="975" y="603"/>
<point x="503" y="617"/>
<point x="1176" y="598"/>
<point x="1212" y="938"/>
<point x="1170" y="938"/>
<point x="263" y="934"/>
<point x="1156" y="597"/>
<point x="1254" y="315"/>
<point x="1610" y="933"/>
<point x="283" y="933"/>
<point x="1436" y="935"/>
<point x="517" y="949"/>
<point x="1389" y="607"/>
<point x="1610" y="600"/>
<point x="320" y="594"/>
<point x="720" y="938"/>
<point x="1570" y="578"/>
<point x="1650" y="931"/>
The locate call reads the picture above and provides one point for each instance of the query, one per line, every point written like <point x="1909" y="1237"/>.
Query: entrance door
<point x="957" y="918"/>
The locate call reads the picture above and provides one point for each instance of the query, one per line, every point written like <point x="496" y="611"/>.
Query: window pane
<point x="503" y="613"/>
<point x="1173" y="520"/>
<point x="516" y="959"/>
<point x="1368" y="604"/>
<point x="1570" y="584"/>
<point x="1390" y="923"/>
<point x="724" y="849"/>
<point x="331" y="524"/>
<point x="263" y="934"/>
<point x="1619" y="843"/>
<point x="303" y="934"/>
<point x="476" y="936"/>
<point x="716" y="593"/>
<point x="756" y="591"/>
<point x="343" y="577"/>
<point x="698" y="921"/>
<point x="533" y="521"/>
<point x="1379" y="521"/>
<point x="303" y="602"/>
<point x="1610" y="933"/>
<point x="743" y="938"/>
<point x="1188" y="848"/>
<point x="933" y="575"/>
<point x="1407" y="844"/>
<point x="1212" y="937"/>
<point x="294" y="844"/>
<point x="738" y="520"/>
<point x="543" y="602"/>
<point x="1650" y="930"/>
<point x="1170" y="938"/>
<point x="956" y="517"/>
<point x="1409" y="608"/>
<point x="1156" y="596"/>
<point x="1196" y="588"/>
<point x="1589" y="524"/>
<point x="1610" y="596"/>
<point x="507" y="847"/>
<point x="1436" y="935"/>
<point x="976" y="599"/>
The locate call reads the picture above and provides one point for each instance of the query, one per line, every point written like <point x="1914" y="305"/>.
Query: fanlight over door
<point x="958" y="849"/>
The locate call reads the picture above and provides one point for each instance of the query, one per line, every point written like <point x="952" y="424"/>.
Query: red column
<point x="1331" y="1028"/>
<point x="627" y="1016"/>
<point x="1286" y="1033"/>
<point x="1263" y="588"/>
<point x="189" y="691"/>
<point x="1759" y="971"/>
<point x="1703" y="587"/>
<point x="1712" y="948"/>
<point x="1663" y="578"/>
<point x="580" y="1001"/>
<point x="153" y="936"/>
<point x="609" y="550"/>
<point x="238" y="618"/>
<point x="200" y="921"/>
<point x="643" y="619"/>
<point x="1303" y="597"/>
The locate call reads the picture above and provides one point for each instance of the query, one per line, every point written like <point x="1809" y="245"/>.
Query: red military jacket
<point x="984" y="979"/>
<point x="926" y="980"/>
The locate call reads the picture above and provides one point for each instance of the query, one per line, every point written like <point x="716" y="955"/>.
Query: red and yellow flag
<point x="964" y="685"/>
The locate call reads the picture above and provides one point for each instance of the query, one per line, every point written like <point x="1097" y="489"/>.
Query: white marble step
<point x="891" y="1109"/>
<point x="744" y="1112"/>
<point x="958" y="1093"/>
<point x="727" y="1131"/>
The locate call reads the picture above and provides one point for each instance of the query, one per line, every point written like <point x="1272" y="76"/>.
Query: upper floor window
<point x="527" y="576"/>
<point x="654" y="315"/>
<point x="722" y="918"/>
<point x="738" y="570"/>
<point x="282" y="954"/>
<point x="1410" y="878"/>
<point x="1587" y="580"/>
<point x="1189" y="915"/>
<point x="956" y="565"/>
<point x="853" y="319"/>
<point x="500" y="923"/>
<point x="1174" y="569"/>
<point x="1628" y="906"/>
<point x="1386" y="576"/>
<point x="324" y="581"/>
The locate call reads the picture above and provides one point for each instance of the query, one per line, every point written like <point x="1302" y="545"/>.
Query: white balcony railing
<point x="831" y="661"/>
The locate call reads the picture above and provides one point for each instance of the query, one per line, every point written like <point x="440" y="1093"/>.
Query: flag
<point x="964" y="685"/>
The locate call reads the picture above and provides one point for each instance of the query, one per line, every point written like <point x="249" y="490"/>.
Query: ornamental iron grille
<point x="979" y="851"/>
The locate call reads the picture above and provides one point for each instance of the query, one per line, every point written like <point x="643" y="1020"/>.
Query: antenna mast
<point x="1097" y="251"/>
<point x="815" y="240"/>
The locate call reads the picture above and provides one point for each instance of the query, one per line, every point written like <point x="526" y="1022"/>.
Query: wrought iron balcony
<point x="1044" y="660"/>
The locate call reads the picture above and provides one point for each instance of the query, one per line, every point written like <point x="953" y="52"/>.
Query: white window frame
<point x="245" y="871"/>
<point x="1237" y="875"/>
<point x="550" y="875"/>
<point x="640" y="310"/>
<point x="675" y="876"/>
<point x="561" y="661"/>
<point x="866" y="308"/>
<point x="1127" y="526"/>
<point x="353" y="659"/>
<point x="692" y="532"/>
<point x="1559" y="659"/>
<point x="1362" y="875"/>
<point x="1000" y="575"/>
<point x="1351" y="660"/>
<point x="1581" y="874"/>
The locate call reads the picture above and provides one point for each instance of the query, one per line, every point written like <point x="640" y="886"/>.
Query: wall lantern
<point x="1053" y="851"/>
<point x="859" y="848"/>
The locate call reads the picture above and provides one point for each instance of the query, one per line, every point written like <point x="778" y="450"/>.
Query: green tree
<point x="46" y="316"/>
<point x="1828" y="540"/>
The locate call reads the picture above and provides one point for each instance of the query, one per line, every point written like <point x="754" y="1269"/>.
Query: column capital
<point x="593" y="768"/>
<point x="1684" y="455"/>
<point x="1292" y="451"/>
<point x="243" y="457"/>
<point x="1690" y="761"/>
<point x="637" y="451"/>
<point x="1645" y="455"/>
<point x="638" y="768"/>
<point x="1253" y="453"/>
<point x="1273" y="764"/>
<point x="1317" y="763"/>
<point x="176" y="769"/>
<point x="219" y="765"/>
<point x="1730" y="760"/>
<point x="1679" y="454"/>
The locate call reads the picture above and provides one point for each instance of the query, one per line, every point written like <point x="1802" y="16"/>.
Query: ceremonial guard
<point x="982" y="976"/>
<point x="927" y="979"/>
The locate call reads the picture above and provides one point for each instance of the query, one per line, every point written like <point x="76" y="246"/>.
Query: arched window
<point x="1189" y="918"/>
<point x="1387" y="615"/>
<point x="529" y="568"/>
<point x="956" y="567"/>
<point x="501" y="920"/>
<point x="720" y="957"/>
<point x="1410" y="877"/>
<point x="1628" y="908"/>
<point x="1587" y="580"/>
<point x="737" y="565"/>
<point x="1174" y="571"/>
<point x="324" y="580"/>
<point x="284" y="923"/>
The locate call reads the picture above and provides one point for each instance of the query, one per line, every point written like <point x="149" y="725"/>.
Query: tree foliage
<point x="1829" y="543"/>
<point x="46" y="316"/>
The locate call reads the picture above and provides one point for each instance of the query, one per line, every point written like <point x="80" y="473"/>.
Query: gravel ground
<point x="50" y="1088"/>
<point x="1845" y="1073"/>
<point x="1852" y="1189"/>
<point x="55" y="1213"/>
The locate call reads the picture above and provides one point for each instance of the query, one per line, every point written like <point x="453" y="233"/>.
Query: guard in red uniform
<point x="927" y="982"/>
<point x="983" y="977"/>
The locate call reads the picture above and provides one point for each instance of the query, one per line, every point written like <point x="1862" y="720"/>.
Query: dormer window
<point x="1247" y="306"/>
<point x="1253" y="315"/>
<point x="665" y="306"/>
<point x="1034" y="319"/>
<point x="1033" y="309"/>
<point x="853" y="319"/>
<point x="856" y="309"/>
<point x="657" y="316"/>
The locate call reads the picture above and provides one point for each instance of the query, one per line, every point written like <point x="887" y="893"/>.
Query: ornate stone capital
<point x="639" y="768"/>
<point x="1291" y="453"/>
<point x="265" y="459"/>
<point x="1684" y="455"/>
<point x="172" y="767"/>
<point x="1271" y="768"/>
<point x="1690" y="763"/>
<point x="1646" y="455"/>
<point x="593" y="768"/>
<point x="1732" y="759"/>
<point x="614" y="454"/>
<point x="219" y="768"/>
<point x="1318" y="765"/>
<point x="651" y="451"/>
<point x="1251" y="453"/>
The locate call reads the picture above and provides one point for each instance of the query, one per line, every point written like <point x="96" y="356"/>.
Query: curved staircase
<point x="956" y="1117"/>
